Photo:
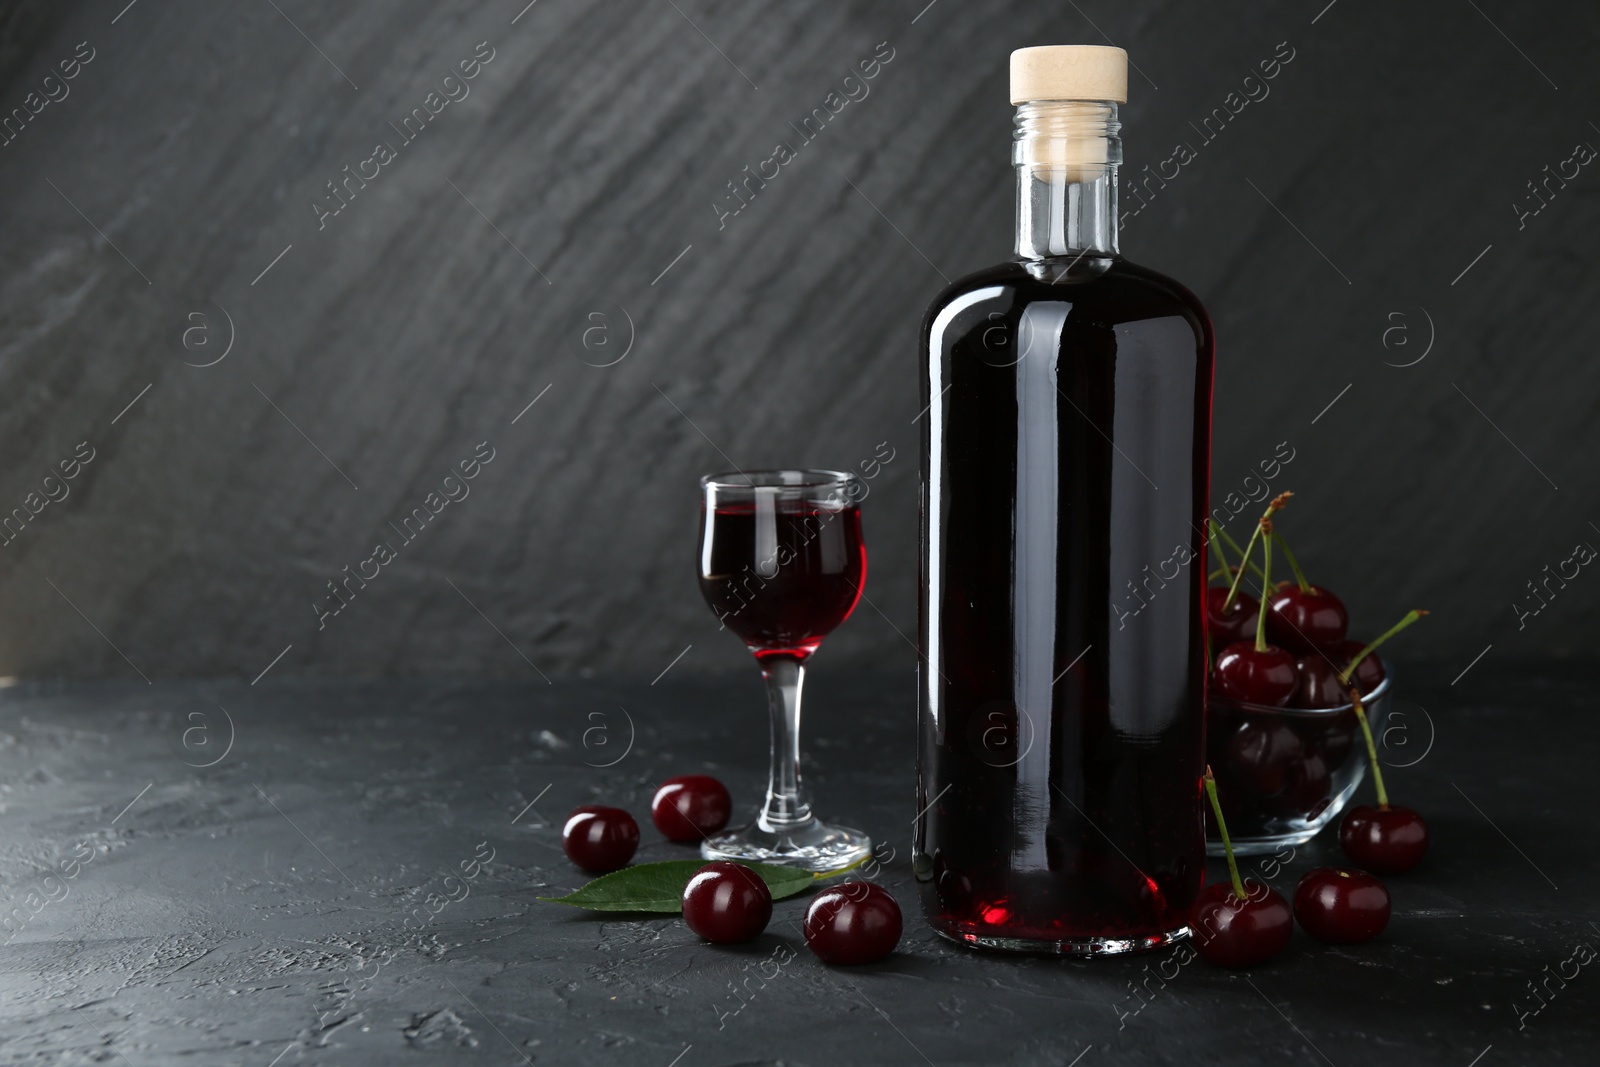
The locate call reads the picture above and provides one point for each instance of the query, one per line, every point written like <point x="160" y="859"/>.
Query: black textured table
<point x="319" y="894"/>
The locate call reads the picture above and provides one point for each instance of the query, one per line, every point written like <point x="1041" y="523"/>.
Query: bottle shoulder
<point x="1122" y="291"/>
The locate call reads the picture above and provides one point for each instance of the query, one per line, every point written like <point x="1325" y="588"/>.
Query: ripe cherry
<point x="1310" y="786"/>
<point x="1237" y="623"/>
<point x="1255" y="673"/>
<point x="1369" y="673"/>
<point x="1341" y="906"/>
<point x="690" y="806"/>
<point x="856" y="922"/>
<point x="1300" y="616"/>
<point x="726" y="903"/>
<point x="1238" y="923"/>
<point x="1320" y="689"/>
<point x="1306" y="618"/>
<point x="1263" y="755"/>
<point x="600" y="839"/>
<point x="1319" y="682"/>
<point x="1338" y="738"/>
<point x="1240" y="931"/>
<point x="1387" y="839"/>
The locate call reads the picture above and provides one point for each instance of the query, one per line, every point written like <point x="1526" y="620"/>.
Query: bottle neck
<point x="1066" y="154"/>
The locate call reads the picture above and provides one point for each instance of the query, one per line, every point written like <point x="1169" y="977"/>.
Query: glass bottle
<point x="1066" y="461"/>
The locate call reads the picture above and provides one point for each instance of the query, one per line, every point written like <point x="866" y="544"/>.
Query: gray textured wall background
<point x="579" y="178"/>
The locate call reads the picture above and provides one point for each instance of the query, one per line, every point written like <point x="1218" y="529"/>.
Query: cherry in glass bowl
<point x="1284" y="773"/>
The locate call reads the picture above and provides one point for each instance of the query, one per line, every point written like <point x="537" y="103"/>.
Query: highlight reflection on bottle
<point x="1066" y="459"/>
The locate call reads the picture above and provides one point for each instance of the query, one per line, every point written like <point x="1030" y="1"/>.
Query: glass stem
<point x="787" y="805"/>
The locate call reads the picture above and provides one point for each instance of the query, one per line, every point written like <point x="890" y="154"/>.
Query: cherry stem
<point x="1410" y="617"/>
<point x="1227" y="843"/>
<point x="1244" y="557"/>
<point x="1231" y="543"/>
<point x="1294" y="564"/>
<point x="1261" y="616"/>
<point x="1233" y="590"/>
<point x="1216" y="549"/>
<point x="1372" y="751"/>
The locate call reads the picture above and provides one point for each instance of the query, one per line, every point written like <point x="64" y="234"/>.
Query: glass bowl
<point x="1284" y="773"/>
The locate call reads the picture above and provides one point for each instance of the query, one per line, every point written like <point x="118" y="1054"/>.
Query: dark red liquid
<point x="1062" y="688"/>
<point x="806" y="581"/>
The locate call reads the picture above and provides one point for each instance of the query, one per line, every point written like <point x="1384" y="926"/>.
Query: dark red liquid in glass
<point x="1066" y="456"/>
<point x="784" y="588"/>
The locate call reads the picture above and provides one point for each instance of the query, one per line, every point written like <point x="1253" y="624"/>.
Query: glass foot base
<point x="810" y="846"/>
<point x="1079" y="947"/>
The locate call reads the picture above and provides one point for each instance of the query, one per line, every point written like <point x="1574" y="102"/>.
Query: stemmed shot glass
<point x="782" y="564"/>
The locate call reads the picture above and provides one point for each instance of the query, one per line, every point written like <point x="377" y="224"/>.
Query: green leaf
<point x="659" y="887"/>
<point x="819" y="875"/>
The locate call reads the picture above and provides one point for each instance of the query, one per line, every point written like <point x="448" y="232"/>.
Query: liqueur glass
<point x="781" y="564"/>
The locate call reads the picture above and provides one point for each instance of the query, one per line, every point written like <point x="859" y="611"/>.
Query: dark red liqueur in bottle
<point x="782" y="574"/>
<point x="1066" y="458"/>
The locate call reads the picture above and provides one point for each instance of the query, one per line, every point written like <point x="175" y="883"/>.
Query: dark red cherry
<point x="1338" y="738"/>
<point x="1267" y="677"/>
<point x="1262" y="758"/>
<point x="1304" y="620"/>
<point x="1309" y="787"/>
<point x="1389" y="840"/>
<point x="726" y="902"/>
<point x="856" y="922"/>
<point x="1321" y="690"/>
<point x="600" y="839"/>
<point x="1235" y="624"/>
<point x="1369" y="673"/>
<point x="1341" y="906"/>
<point x="1231" y="932"/>
<point x="690" y="806"/>
<point x="1319" y="683"/>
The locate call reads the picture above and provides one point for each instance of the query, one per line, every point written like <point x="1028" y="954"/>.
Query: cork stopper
<point x="1069" y="72"/>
